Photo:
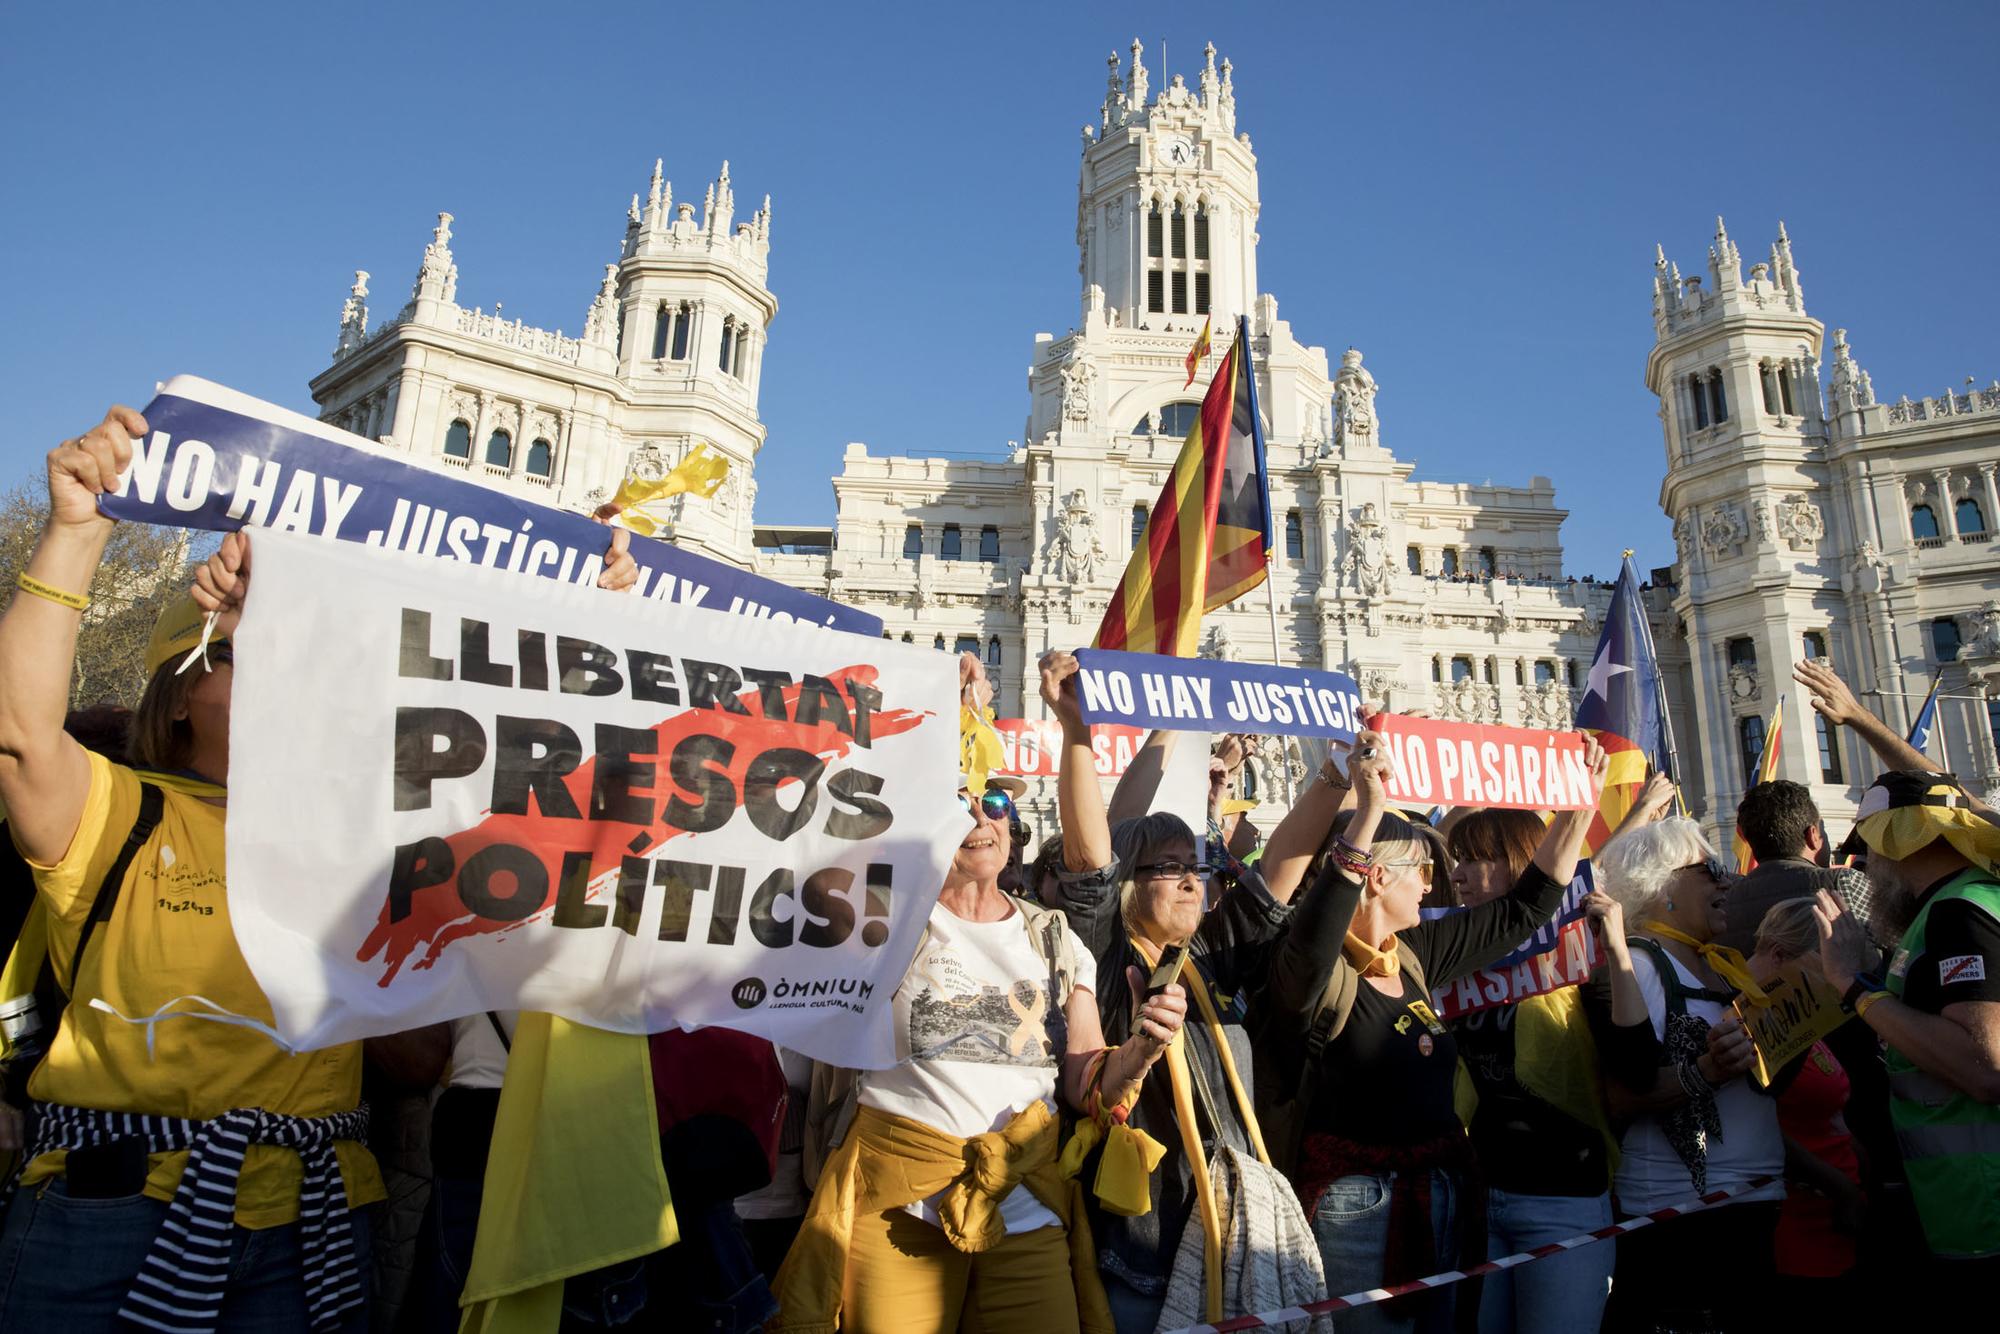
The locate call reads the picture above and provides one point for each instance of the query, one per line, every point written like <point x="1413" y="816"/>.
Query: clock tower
<point x="1167" y="204"/>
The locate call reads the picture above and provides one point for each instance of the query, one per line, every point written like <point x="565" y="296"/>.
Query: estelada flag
<point x="1198" y="351"/>
<point x="1208" y="535"/>
<point x="1621" y="705"/>
<point x="1767" y="770"/>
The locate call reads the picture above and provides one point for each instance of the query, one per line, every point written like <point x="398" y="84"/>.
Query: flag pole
<point x="1271" y="605"/>
<point x="1248" y="368"/>
<point x="1659" y="686"/>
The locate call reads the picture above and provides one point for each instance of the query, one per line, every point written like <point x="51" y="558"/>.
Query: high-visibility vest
<point x="1951" y="1141"/>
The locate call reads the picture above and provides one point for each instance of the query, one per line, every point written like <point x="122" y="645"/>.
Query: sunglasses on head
<point x="993" y="804"/>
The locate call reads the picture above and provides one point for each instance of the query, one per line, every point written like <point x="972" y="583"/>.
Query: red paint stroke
<point x="437" y="917"/>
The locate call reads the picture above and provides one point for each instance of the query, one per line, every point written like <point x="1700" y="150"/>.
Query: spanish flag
<point x="1209" y="534"/>
<point x="1767" y="770"/>
<point x="1199" y="350"/>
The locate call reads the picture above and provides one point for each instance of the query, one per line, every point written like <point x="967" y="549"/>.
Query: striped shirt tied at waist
<point x="180" y="1287"/>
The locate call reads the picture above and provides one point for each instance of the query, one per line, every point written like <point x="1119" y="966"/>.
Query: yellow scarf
<point x="889" y="1161"/>
<point x="1370" y="960"/>
<point x="1727" y="963"/>
<point x="1182" y="1081"/>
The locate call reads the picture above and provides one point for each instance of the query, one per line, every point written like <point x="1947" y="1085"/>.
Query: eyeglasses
<point x="1423" y="866"/>
<point x="1713" y="868"/>
<point x="994" y="805"/>
<point x="1174" y="870"/>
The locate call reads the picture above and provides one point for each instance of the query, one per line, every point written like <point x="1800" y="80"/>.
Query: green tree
<point x="144" y="568"/>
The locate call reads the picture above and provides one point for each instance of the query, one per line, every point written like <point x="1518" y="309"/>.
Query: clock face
<point x="1179" y="152"/>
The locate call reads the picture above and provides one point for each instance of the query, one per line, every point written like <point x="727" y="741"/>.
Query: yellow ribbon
<point x="699" y="474"/>
<point x="1727" y="963"/>
<point x="979" y="748"/>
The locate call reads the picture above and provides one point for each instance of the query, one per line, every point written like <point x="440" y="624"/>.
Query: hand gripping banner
<point x="214" y="458"/>
<point x="453" y="789"/>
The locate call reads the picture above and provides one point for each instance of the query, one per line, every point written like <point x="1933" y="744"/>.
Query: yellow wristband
<point x="50" y="593"/>
<point x="1861" y="1006"/>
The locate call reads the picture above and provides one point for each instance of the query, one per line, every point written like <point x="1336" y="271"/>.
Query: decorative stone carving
<point x="1074" y="551"/>
<point x="923" y="590"/>
<point x="1985" y="639"/>
<point x="437" y="277"/>
<point x="1800" y="524"/>
<point x="1722" y="530"/>
<point x="1744" y="683"/>
<point x="1354" y="420"/>
<point x="1367" y="562"/>
<point x="1221" y="646"/>
<point x="1079" y="379"/>
<point x="1547" y="705"/>
<point x="1868" y="557"/>
<point x="1469" y="701"/>
<point x="1377" y="684"/>
<point x="1507" y="620"/>
<point x="1275" y="759"/>
<point x="600" y="326"/>
<point x="646" y="463"/>
<point x="353" y="316"/>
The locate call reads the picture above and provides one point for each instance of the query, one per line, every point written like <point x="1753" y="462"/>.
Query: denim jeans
<point x="1351" y="1224"/>
<point x="444" y="1254"/>
<point x="67" y="1264"/>
<point x="1562" y="1292"/>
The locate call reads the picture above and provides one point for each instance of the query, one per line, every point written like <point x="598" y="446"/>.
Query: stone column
<point x="1947" y="521"/>
<point x="1992" y="495"/>
<point x="480" y="430"/>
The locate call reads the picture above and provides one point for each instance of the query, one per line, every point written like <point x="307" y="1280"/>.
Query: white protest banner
<point x="1032" y="747"/>
<point x="1436" y="763"/>
<point x="1560" y="954"/>
<point x="1205" y="695"/>
<point x="454" y="789"/>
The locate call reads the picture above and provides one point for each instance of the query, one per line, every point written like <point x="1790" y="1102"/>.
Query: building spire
<point x="600" y="326"/>
<point x="437" y="277"/>
<point x="1137" y="97"/>
<point x="1211" y="86"/>
<point x="353" y="316"/>
<point x="1725" y="262"/>
<point x="1785" y="271"/>
<point x="1114" y="92"/>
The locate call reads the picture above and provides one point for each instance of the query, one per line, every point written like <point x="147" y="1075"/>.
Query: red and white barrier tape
<point x="1352" y="1300"/>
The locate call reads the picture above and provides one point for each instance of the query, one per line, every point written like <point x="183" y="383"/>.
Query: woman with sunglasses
<point x="1134" y="894"/>
<point x="944" y="1205"/>
<point x="1347" y="1036"/>
<point x="1695" y="1123"/>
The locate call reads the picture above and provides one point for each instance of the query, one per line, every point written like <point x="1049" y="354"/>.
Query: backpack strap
<point x="500" y="1031"/>
<point x="152" y="804"/>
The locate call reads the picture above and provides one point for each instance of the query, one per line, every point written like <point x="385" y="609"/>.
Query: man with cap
<point x="1937" y="1009"/>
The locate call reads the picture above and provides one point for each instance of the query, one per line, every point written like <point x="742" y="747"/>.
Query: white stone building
<point x="1812" y="525"/>
<point x="1443" y="596"/>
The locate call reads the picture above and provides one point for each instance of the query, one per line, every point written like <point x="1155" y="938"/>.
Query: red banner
<point x="1032" y="747"/>
<point x="1436" y="763"/>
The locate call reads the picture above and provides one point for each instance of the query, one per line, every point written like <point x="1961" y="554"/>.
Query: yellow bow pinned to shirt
<point x="699" y="474"/>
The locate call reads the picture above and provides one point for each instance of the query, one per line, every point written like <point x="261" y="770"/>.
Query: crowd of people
<point x="1154" y="1074"/>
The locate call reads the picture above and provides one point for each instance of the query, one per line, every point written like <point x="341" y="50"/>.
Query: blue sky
<point x="1468" y="193"/>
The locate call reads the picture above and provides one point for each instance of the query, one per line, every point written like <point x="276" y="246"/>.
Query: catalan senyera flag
<point x="1199" y="350"/>
<point x="1208" y="535"/>
<point x="1621" y="705"/>
<point x="1767" y="769"/>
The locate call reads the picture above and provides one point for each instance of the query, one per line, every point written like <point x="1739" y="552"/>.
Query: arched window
<point x="458" y="439"/>
<point x="1718" y="404"/>
<point x="1923" y="522"/>
<point x="1946" y="638"/>
<point x="739" y="361"/>
<point x="1449" y="567"/>
<point x="541" y="458"/>
<point x="966" y="644"/>
<point x="1295" y="536"/>
<point x="1138" y="524"/>
<point x="1489" y="561"/>
<point x="1699" y="397"/>
<point x="913" y="542"/>
<point x="1569" y="672"/>
<point x="1520" y="673"/>
<point x="1413" y="558"/>
<point x="663" y="328"/>
<point x="683" y="324"/>
<point x="1179" y="233"/>
<point x="989" y="544"/>
<point x="1461" y="670"/>
<point x="726" y="357"/>
<point x="993" y="652"/>
<point x="938" y="643"/>
<point x="909" y="638"/>
<point x="499" y="449"/>
<point x="1785" y="390"/>
<point x="1815" y="645"/>
<point x="1970" y="518"/>
<point x="1201" y="233"/>
<point x="1545" y="672"/>
<point x="1175" y="420"/>
<point x="1769" y="380"/>
<point x="1742" y="652"/>
<point x="1437" y="668"/>
<point x="949" y="544"/>
<point x="1750" y="742"/>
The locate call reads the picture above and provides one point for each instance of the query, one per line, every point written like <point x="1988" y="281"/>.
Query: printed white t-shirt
<point x="1650" y="1174"/>
<point x="974" y="1039"/>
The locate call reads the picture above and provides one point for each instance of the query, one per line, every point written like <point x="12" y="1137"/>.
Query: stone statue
<point x="1221" y="647"/>
<point x="1079" y="377"/>
<point x="1353" y="403"/>
<point x="1074" y="551"/>
<point x="1368" y="555"/>
<point x="1985" y="641"/>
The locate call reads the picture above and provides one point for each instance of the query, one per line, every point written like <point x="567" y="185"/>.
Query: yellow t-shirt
<point x="169" y="936"/>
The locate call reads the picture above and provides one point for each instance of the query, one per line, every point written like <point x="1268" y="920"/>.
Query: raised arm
<point x="1648" y="806"/>
<point x="44" y="774"/>
<point x="1140" y="783"/>
<point x="1301" y="834"/>
<point x="1309" y="950"/>
<point x="1079" y="800"/>
<point x="1834" y="701"/>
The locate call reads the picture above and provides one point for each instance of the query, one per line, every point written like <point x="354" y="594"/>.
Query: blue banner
<point x="205" y="465"/>
<point x="1560" y="954"/>
<point x="1204" y="695"/>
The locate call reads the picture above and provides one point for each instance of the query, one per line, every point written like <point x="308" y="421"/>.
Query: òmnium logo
<point x="748" y="994"/>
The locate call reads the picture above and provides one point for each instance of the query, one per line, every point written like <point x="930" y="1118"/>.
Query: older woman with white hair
<point x="1694" y="1122"/>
